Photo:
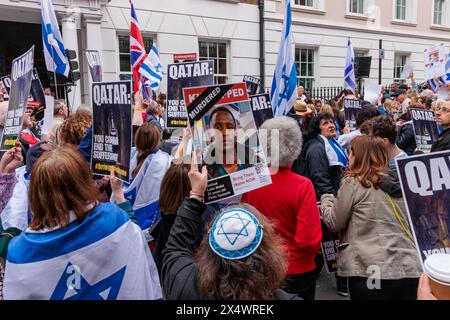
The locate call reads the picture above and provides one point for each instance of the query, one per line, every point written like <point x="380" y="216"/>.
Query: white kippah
<point x="235" y="234"/>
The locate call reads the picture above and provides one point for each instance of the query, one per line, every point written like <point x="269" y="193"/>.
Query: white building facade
<point x="228" y="31"/>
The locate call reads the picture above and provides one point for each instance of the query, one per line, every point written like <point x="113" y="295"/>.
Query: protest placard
<point x="95" y="65"/>
<point x="224" y="139"/>
<point x="184" y="75"/>
<point x="425" y="128"/>
<point x="21" y="75"/>
<point x="351" y="110"/>
<point x="36" y="97"/>
<point x="48" y="115"/>
<point x="329" y="245"/>
<point x="372" y="92"/>
<point x="425" y="181"/>
<point x="408" y="69"/>
<point x="253" y="85"/>
<point x="112" y="130"/>
<point x="262" y="108"/>
<point x="434" y="59"/>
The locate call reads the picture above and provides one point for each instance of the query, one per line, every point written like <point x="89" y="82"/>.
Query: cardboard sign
<point x="425" y="128"/>
<point x="425" y="181"/>
<point x="95" y="65"/>
<point x="351" y="110"/>
<point x="112" y="130"/>
<point x="329" y="245"/>
<point x="21" y="76"/>
<point x="434" y="59"/>
<point x="225" y="140"/>
<point x="184" y="75"/>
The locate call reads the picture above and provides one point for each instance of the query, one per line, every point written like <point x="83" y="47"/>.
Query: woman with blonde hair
<point x="372" y="221"/>
<point x="326" y="108"/>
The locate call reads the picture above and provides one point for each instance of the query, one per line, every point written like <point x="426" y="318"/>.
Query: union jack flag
<point x="137" y="49"/>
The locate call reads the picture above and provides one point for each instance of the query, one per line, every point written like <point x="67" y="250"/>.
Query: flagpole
<point x="54" y="73"/>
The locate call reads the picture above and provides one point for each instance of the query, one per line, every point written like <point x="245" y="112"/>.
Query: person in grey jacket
<point x="377" y="251"/>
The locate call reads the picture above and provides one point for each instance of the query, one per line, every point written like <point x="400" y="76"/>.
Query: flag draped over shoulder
<point x="284" y="84"/>
<point x="152" y="70"/>
<point x="16" y="213"/>
<point x="137" y="49"/>
<point x="54" y="51"/>
<point x="349" y="74"/>
<point x="143" y="192"/>
<point x="103" y="257"/>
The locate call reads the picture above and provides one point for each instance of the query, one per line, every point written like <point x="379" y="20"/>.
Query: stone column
<point x="70" y="39"/>
<point x="93" y="36"/>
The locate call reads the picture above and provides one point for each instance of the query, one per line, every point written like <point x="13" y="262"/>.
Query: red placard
<point x="237" y="93"/>
<point x="184" y="57"/>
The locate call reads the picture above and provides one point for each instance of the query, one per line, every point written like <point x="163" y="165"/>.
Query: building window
<point x="305" y="3"/>
<point x="304" y="61"/>
<point x="124" y="55"/>
<point x="400" y="9"/>
<point x="438" y="12"/>
<point x="356" y="6"/>
<point x="216" y="51"/>
<point x="399" y="62"/>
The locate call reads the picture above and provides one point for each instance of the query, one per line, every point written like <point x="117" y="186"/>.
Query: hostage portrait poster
<point x="112" y="130"/>
<point x="425" y="181"/>
<point x="225" y="139"/>
<point x="184" y="75"/>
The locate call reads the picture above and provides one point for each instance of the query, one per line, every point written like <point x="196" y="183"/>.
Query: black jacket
<point x="313" y="163"/>
<point x="406" y="140"/>
<point x="179" y="273"/>
<point x="443" y="143"/>
<point x="391" y="183"/>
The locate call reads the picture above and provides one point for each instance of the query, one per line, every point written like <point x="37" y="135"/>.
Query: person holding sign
<point x="443" y="119"/>
<point x="376" y="252"/>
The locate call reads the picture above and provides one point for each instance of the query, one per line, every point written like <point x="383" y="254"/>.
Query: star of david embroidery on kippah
<point x="236" y="235"/>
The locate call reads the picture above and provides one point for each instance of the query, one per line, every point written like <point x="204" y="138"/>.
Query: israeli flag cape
<point x="284" y="84"/>
<point x="54" y="51"/>
<point x="143" y="192"/>
<point x="335" y="153"/>
<point x="104" y="257"/>
<point x="16" y="213"/>
<point x="349" y="74"/>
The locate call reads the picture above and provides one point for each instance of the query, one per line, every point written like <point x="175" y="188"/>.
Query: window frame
<point x="407" y="56"/>
<point x="445" y="6"/>
<point x="125" y="74"/>
<point x="350" y="5"/>
<point x="301" y="79"/>
<point x="227" y="60"/>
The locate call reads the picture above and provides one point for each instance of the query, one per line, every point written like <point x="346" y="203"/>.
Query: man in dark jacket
<point x="406" y="140"/>
<point x="443" y="119"/>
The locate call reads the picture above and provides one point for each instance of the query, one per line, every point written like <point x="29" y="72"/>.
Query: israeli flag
<point x="54" y="51"/>
<point x="103" y="257"/>
<point x="284" y="84"/>
<point x="447" y="70"/>
<point x="349" y="74"/>
<point x="16" y="213"/>
<point x="143" y="192"/>
<point x="152" y="70"/>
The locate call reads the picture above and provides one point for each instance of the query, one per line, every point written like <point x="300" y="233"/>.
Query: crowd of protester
<point x="328" y="177"/>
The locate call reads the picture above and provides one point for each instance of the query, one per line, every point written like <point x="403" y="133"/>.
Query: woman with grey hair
<point x="290" y="203"/>
<point x="154" y="111"/>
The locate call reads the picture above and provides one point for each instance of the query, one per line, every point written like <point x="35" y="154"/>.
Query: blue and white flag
<point x="54" y="51"/>
<point x="335" y="153"/>
<point x="447" y="70"/>
<point x="143" y="192"/>
<point x="284" y="84"/>
<point x="103" y="257"/>
<point x="349" y="74"/>
<point x="152" y="70"/>
<point x="16" y="213"/>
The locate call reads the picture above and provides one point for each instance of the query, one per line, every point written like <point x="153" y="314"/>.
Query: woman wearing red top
<point x="290" y="203"/>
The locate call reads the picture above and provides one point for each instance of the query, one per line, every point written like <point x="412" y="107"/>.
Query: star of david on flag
<point x="284" y="84"/>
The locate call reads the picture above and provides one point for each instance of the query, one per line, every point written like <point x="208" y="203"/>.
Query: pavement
<point x="326" y="287"/>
